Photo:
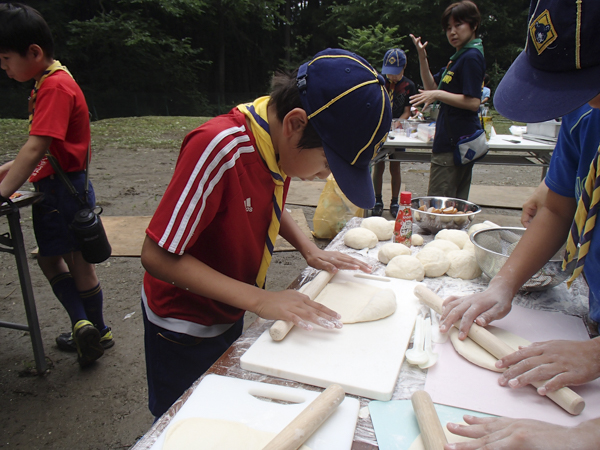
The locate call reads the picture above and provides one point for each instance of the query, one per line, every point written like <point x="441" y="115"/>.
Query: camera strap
<point x="65" y="179"/>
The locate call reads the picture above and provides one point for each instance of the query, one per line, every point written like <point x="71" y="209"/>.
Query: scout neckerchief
<point x="475" y="43"/>
<point x="584" y="221"/>
<point x="391" y="90"/>
<point x="256" y="115"/>
<point x="56" y="65"/>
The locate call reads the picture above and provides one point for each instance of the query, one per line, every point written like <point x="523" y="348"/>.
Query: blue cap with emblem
<point x="393" y="62"/>
<point x="559" y="70"/>
<point x="346" y="102"/>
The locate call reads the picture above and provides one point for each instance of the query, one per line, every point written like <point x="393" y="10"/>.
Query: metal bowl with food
<point x="438" y="213"/>
<point x="493" y="246"/>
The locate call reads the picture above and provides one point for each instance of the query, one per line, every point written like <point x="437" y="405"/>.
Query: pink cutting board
<point x="233" y="399"/>
<point x="364" y="358"/>
<point x="456" y="382"/>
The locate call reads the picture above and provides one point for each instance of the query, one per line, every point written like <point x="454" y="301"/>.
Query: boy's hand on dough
<point x="293" y="306"/>
<point x="563" y="363"/>
<point x="481" y="308"/>
<point x="495" y="433"/>
<point x="334" y="261"/>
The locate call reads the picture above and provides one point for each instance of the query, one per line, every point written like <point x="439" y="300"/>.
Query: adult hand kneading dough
<point x="358" y="302"/>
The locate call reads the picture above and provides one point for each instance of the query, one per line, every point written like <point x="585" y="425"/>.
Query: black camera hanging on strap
<point x="86" y="225"/>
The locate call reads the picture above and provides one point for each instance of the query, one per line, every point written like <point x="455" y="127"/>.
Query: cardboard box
<point x="549" y="128"/>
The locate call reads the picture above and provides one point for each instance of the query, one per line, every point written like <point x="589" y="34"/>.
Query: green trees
<point x="193" y="57"/>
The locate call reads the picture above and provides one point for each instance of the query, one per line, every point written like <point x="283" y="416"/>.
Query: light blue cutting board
<point x="396" y="425"/>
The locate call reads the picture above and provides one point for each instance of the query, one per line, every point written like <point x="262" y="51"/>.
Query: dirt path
<point x="104" y="407"/>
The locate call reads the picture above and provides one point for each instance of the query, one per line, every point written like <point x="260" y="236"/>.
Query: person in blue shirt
<point x="457" y="88"/>
<point x="400" y="89"/>
<point x="556" y="76"/>
<point x="486" y="92"/>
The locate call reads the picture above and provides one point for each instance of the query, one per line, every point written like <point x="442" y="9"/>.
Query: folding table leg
<point x="27" y="291"/>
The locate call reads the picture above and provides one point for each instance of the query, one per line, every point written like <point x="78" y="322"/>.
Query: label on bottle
<point x="403" y="226"/>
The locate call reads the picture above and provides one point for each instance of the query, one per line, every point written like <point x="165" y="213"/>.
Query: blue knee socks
<point x="92" y="302"/>
<point x="65" y="290"/>
<point x="85" y="305"/>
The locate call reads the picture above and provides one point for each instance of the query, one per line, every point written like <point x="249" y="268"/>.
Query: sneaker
<point x="377" y="209"/>
<point x="87" y="339"/>
<point x="394" y="207"/>
<point x="66" y="343"/>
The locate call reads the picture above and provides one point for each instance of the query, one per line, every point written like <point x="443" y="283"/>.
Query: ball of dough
<point x="405" y="267"/>
<point x="442" y="244"/>
<point x="469" y="246"/>
<point x="435" y="262"/>
<point x="416" y="240"/>
<point x="389" y="251"/>
<point x="463" y="265"/>
<point x="459" y="237"/>
<point x="477" y="227"/>
<point x="359" y="238"/>
<point x="380" y="226"/>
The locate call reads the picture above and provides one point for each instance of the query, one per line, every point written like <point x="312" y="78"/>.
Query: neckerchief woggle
<point x="256" y="115"/>
<point x="56" y="65"/>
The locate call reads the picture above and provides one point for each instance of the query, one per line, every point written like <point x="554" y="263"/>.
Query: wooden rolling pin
<point x="564" y="397"/>
<point x="281" y="328"/>
<point x="309" y="420"/>
<point x="431" y="428"/>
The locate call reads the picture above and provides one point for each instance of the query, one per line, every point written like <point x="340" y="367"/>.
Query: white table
<point x="505" y="150"/>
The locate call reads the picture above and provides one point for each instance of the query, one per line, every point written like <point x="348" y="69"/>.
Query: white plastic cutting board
<point x="364" y="358"/>
<point x="233" y="399"/>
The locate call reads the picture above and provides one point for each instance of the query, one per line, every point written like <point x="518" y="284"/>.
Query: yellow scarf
<point x="582" y="228"/>
<point x="56" y="65"/>
<point x="256" y="115"/>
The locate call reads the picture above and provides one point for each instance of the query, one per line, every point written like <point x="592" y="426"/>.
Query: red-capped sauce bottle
<point x="404" y="223"/>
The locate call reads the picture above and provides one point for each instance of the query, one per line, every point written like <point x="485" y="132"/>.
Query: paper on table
<point x="456" y="382"/>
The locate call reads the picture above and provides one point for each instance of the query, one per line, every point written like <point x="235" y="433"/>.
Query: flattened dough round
<point x="358" y="302"/>
<point x="450" y="437"/>
<point x="359" y="238"/>
<point x="459" y="237"/>
<point x="199" y="433"/>
<point x="474" y="353"/>
<point x="405" y="267"/>
<point x="382" y="228"/>
<point x="389" y="251"/>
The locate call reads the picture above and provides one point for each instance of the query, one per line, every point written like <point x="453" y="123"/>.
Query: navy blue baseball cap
<point x="559" y="70"/>
<point x="393" y="62"/>
<point x="347" y="104"/>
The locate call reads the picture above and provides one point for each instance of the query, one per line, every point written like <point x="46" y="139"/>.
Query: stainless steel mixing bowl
<point x="493" y="246"/>
<point x="434" y="222"/>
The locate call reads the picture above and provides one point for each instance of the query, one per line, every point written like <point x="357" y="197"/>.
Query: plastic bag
<point x="333" y="211"/>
